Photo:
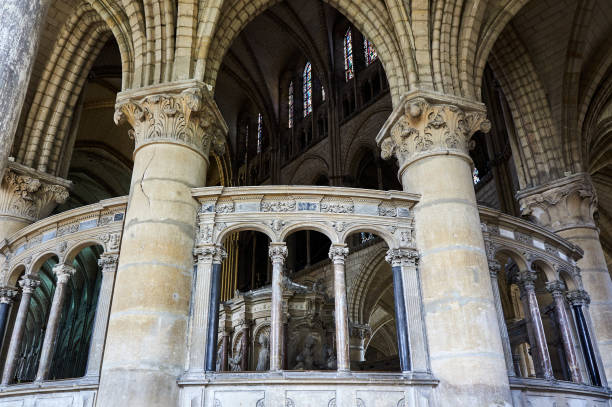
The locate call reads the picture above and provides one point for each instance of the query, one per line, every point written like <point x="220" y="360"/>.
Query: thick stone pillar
<point x="338" y="253"/>
<point x="494" y="268"/>
<point x="579" y="300"/>
<point x="278" y="253"/>
<point x="28" y="284"/>
<point x="108" y="267"/>
<point x="63" y="272"/>
<point x="21" y="23"/>
<point x="429" y="133"/>
<point x="174" y="126"/>
<point x="539" y="349"/>
<point x="556" y="288"/>
<point x="566" y="207"/>
<point x="7" y="297"/>
<point x="26" y="196"/>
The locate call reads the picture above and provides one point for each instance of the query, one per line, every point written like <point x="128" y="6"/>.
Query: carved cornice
<point x="8" y="295"/>
<point x="338" y="253"/>
<point x="278" y="253"/>
<point x="563" y="204"/>
<point x="63" y="272"/>
<point x="180" y="113"/>
<point x="402" y="257"/>
<point x="30" y="195"/>
<point x="427" y="123"/>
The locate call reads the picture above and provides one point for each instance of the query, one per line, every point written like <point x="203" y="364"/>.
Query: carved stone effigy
<point x="310" y="328"/>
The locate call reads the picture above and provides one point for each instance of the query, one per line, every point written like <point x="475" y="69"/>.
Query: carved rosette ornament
<point x="563" y="204"/>
<point x="179" y="113"/>
<point x="402" y="257"/>
<point x="30" y="195"/>
<point x="428" y="122"/>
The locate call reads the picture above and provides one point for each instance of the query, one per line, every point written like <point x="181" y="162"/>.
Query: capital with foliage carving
<point x="525" y="279"/>
<point x="30" y="195"/>
<point x="562" y="204"/>
<point x="578" y="298"/>
<point x="179" y="113"/>
<point x="402" y="257"/>
<point x="29" y="283"/>
<point x="63" y="272"/>
<point x="494" y="268"/>
<point x="338" y="253"/>
<point x="210" y="254"/>
<point x="278" y="253"/>
<point x="555" y="288"/>
<point x="428" y="123"/>
<point x="108" y="262"/>
<point x="8" y="295"/>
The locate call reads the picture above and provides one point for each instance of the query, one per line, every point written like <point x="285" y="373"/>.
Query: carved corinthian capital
<point x="29" y="195"/>
<point x="179" y="113"/>
<point x="562" y="204"/>
<point x="428" y="123"/>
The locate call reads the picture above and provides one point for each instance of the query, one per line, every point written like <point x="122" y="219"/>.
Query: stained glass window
<point x="322" y="93"/>
<point x="349" y="73"/>
<point x="307" y="89"/>
<point x="259" y="133"/>
<point x="369" y="51"/>
<point x="291" y="104"/>
<point x="476" y="176"/>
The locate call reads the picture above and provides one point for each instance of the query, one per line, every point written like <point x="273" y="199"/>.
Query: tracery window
<point x="291" y="104"/>
<point x="349" y="72"/>
<point x="369" y="51"/>
<point x="307" y="89"/>
<point x="259" y="133"/>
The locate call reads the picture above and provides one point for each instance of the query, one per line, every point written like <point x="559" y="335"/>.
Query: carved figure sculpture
<point x="263" y="359"/>
<point x="219" y="356"/>
<point x="236" y="361"/>
<point x="304" y="360"/>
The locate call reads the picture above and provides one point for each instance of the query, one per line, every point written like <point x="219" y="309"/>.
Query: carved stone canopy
<point x="427" y="122"/>
<point x="562" y="204"/>
<point x="30" y="195"/>
<point x="180" y="113"/>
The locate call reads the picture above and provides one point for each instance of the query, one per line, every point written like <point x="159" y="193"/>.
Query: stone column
<point x="26" y="196"/>
<point x="556" y="288"/>
<point x="338" y="253"/>
<point x="21" y="23"/>
<point x="108" y="267"/>
<point x="494" y="268"/>
<point x="539" y="349"/>
<point x="214" y="297"/>
<point x="63" y="272"/>
<point x="174" y="126"/>
<point x="278" y="253"/>
<point x="429" y="133"/>
<point x="579" y="300"/>
<point x="7" y="297"/>
<point x="246" y="338"/>
<point x="566" y="206"/>
<point x="28" y="284"/>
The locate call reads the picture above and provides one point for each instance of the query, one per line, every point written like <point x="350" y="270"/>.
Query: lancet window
<point x="349" y="71"/>
<point x="369" y="51"/>
<point x="307" y="89"/>
<point x="290" y="105"/>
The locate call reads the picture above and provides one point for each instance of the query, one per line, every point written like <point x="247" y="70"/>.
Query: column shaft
<point x="28" y="284"/>
<point x="494" y="268"/>
<point x="63" y="273"/>
<point x="7" y="296"/>
<point x="338" y="255"/>
<point x="21" y="23"/>
<point x="579" y="299"/>
<point x="278" y="253"/>
<point x="213" y="318"/>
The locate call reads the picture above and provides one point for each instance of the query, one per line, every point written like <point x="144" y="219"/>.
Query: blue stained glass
<point x="476" y="176"/>
<point x="349" y="72"/>
<point x="259" y="133"/>
<point x="369" y="51"/>
<point x="291" y="104"/>
<point x="307" y="88"/>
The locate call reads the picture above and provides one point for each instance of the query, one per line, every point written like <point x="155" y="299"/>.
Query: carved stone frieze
<point x="562" y="204"/>
<point x="278" y="206"/>
<point x="181" y="113"/>
<point x="427" y="122"/>
<point x="333" y="207"/>
<point x="30" y="195"/>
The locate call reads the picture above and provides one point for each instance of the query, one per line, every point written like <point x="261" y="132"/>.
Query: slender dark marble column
<point x="555" y="288"/>
<point x="213" y="311"/>
<point x="494" y="268"/>
<point x="28" y="284"/>
<point x="21" y="23"/>
<point x="395" y="257"/>
<point x="578" y="299"/>
<point x="7" y="297"/>
<point x="525" y="281"/>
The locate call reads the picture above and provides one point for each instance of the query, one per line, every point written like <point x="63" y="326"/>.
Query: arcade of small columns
<point x="176" y="124"/>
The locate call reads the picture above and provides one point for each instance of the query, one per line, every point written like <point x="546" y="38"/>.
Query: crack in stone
<point x="144" y="174"/>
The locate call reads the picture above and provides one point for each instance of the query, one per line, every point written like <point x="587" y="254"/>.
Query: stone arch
<point x="547" y="268"/>
<point x="515" y="255"/>
<point x="571" y="283"/>
<point x="244" y="227"/>
<point x="12" y="278"/>
<point x="374" y="229"/>
<point x="224" y="23"/>
<point x="360" y="287"/>
<point x="329" y="232"/>
<point x="75" y="249"/>
<point x="304" y="169"/>
<point x="362" y="139"/>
